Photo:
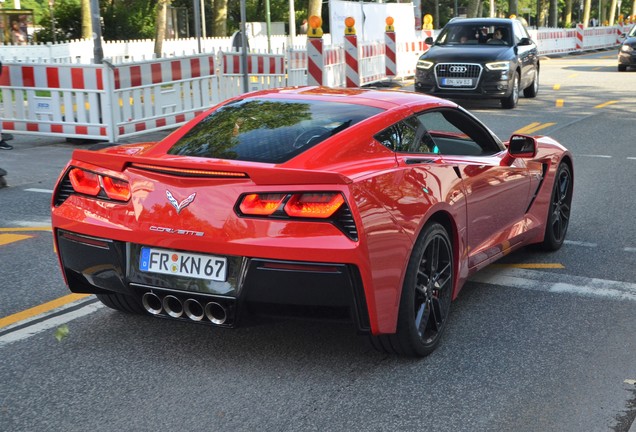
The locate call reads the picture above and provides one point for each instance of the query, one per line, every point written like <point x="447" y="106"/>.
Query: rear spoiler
<point x="259" y="173"/>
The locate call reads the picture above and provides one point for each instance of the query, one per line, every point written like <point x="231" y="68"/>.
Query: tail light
<point x="315" y="205"/>
<point x="84" y="182"/>
<point x="261" y="204"/>
<point x="98" y="185"/>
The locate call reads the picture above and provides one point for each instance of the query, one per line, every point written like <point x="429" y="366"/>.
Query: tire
<point x="121" y="302"/>
<point x="622" y="68"/>
<point x="426" y="297"/>
<point x="532" y="90"/>
<point x="511" y="101"/>
<point x="559" y="213"/>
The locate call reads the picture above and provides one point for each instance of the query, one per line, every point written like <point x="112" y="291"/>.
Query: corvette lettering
<point x="177" y="231"/>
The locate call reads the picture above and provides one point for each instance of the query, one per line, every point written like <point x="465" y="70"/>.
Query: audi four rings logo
<point x="458" y="69"/>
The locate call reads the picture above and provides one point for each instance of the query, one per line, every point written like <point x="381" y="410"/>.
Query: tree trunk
<point x="554" y="14"/>
<point x="87" y="25"/>
<point x="160" y="32"/>
<point x="567" y="17"/>
<point x="220" y="18"/>
<point x="612" y="12"/>
<point x="473" y="8"/>
<point x="586" y="13"/>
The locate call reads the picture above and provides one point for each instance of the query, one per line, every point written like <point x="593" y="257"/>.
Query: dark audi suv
<point x="487" y="58"/>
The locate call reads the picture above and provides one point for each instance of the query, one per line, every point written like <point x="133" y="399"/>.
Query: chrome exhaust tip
<point x="152" y="303"/>
<point x="193" y="309"/>
<point x="173" y="306"/>
<point x="216" y="313"/>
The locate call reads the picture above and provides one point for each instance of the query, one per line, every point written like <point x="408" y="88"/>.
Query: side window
<point x="520" y="32"/>
<point x="453" y="132"/>
<point x="401" y="136"/>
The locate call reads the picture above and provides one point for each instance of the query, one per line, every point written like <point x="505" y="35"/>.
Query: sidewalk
<point x="37" y="159"/>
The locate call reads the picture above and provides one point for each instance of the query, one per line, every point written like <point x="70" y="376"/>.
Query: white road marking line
<point x="46" y="324"/>
<point x="48" y="191"/>
<point x="631" y="158"/>
<point x="580" y="243"/>
<point x="595" y="156"/>
<point x="630" y="249"/>
<point x="42" y="223"/>
<point x="551" y="282"/>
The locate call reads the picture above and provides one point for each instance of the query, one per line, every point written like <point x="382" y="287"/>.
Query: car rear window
<point x="268" y="130"/>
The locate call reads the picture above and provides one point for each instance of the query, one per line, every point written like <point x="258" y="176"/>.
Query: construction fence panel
<point x="50" y="99"/>
<point x="372" y="62"/>
<point x="163" y="93"/>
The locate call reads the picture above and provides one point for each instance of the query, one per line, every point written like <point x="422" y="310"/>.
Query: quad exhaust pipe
<point x="191" y="308"/>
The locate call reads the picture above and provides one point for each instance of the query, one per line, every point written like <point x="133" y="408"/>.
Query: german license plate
<point x="457" y="82"/>
<point x="183" y="264"/>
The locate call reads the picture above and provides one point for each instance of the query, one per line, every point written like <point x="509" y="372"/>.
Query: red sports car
<point x="364" y="205"/>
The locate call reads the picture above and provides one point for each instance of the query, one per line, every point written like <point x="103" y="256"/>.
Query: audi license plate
<point x="457" y="82"/>
<point x="183" y="264"/>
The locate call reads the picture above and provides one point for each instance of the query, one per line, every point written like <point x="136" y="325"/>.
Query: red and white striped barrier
<point x="72" y="109"/>
<point x="351" y="61"/>
<point x="391" y="50"/>
<point x="579" y="37"/>
<point x="315" y="61"/>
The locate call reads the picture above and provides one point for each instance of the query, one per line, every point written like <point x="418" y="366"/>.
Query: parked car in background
<point x="368" y="206"/>
<point x="480" y="58"/>
<point x="627" y="51"/>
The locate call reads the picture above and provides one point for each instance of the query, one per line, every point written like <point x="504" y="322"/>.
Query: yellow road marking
<point x="573" y="75"/>
<point x="603" y="105"/>
<point x="559" y="103"/>
<point x="12" y="238"/>
<point x="37" y="310"/>
<point x="597" y="68"/>
<point x="528" y="127"/>
<point x="532" y="266"/>
<point x="556" y="87"/>
<point x="533" y="127"/>
<point x="42" y="228"/>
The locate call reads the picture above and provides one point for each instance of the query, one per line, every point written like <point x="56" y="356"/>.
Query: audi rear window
<point x="268" y="130"/>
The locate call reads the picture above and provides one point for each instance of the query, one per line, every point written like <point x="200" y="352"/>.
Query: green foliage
<point x="130" y="19"/>
<point x="68" y="22"/>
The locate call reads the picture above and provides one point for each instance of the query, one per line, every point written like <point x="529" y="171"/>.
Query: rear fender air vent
<point x="64" y="190"/>
<point x="343" y="219"/>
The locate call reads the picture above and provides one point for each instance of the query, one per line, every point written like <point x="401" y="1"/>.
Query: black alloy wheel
<point x="559" y="213"/>
<point x="426" y="296"/>
<point x="532" y="90"/>
<point x="511" y="101"/>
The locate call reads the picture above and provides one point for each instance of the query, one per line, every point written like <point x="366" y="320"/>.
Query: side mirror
<point x="525" y="42"/>
<point x="428" y="41"/>
<point x="522" y="146"/>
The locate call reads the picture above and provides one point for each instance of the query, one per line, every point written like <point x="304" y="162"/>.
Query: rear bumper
<point x="254" y="286"/>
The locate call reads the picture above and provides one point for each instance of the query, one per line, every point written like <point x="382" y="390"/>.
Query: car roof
<point x="379" y="98"/>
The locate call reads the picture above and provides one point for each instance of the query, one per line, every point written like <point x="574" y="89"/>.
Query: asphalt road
<point x="541" y="342"/>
